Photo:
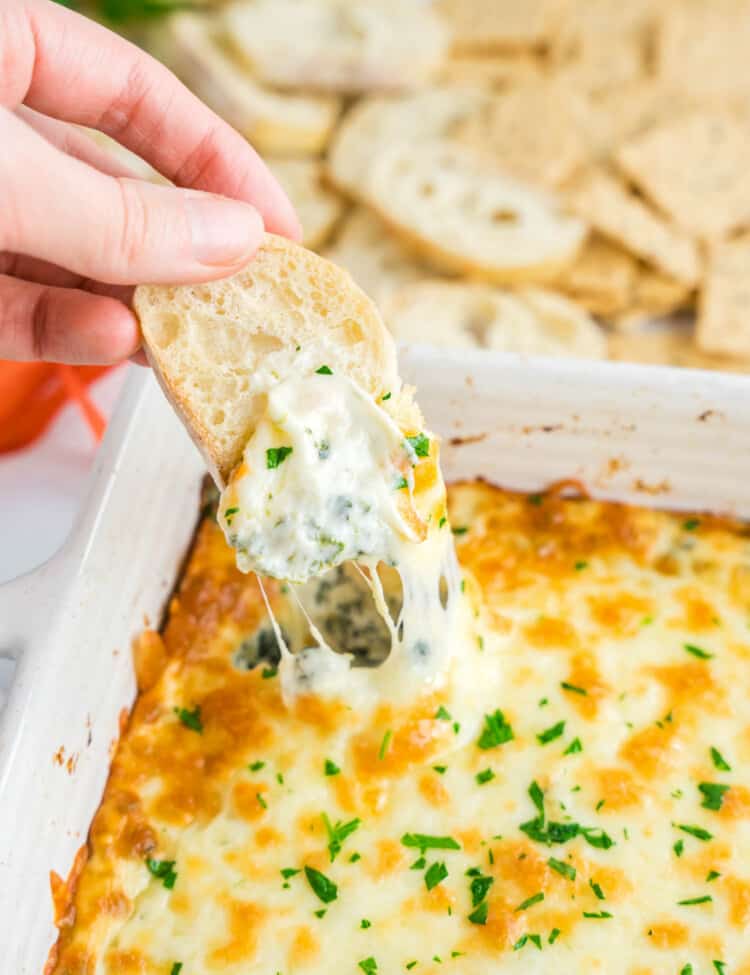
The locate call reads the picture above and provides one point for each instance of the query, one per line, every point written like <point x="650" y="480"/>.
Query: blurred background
<point x="549" y="177"/>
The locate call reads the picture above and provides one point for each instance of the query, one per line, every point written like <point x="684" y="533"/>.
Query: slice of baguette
<point x="530" y="322"/>
<point x="218" y="348"/>
<point x="373" y="256"/>
<point x="349" y="46"/>
<point x="462" y="214"/>
<point x="276" y="123"/>
<point x="318" y="208"/>
<point x="376" y="123"/>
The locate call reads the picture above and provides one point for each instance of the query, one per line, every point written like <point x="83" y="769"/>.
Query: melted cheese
<point x="614" y="644"/>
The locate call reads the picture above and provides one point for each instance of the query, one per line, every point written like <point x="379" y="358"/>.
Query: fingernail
<point x="223" y="231"/>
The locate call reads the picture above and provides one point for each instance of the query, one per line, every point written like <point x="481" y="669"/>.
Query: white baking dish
<point x="654" y="436"/>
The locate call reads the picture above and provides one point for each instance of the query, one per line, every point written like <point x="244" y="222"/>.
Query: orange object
<point x="32" y="393"/>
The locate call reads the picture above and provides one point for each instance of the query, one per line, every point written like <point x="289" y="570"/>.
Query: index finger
<point x="64" y="65"/>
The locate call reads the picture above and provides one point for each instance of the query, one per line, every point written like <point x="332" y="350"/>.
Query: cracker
<point x="602" y="277"/>
<point x="696" y="170"/>
<point x="620" y="216"/>
<point x="493" y="71"/>
<point x="672" y="346"/>
<point x="318" y="208"/>
<point x="634" y="108"/>
<point x="539" y="131"/>
<point x="702" y="46"/>
<point x="496" y="25"/>
<point x="724" y="308"/>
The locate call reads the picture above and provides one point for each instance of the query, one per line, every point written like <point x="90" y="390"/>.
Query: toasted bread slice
<point x="218" y="348"/>
<point x="376" y="123"/>
<point x="459" y="212"/>
<point x="191" y="45"/>
<point x="337" y="45"/>
<point x="318" y="207"/>
<point x="530" y="322"/>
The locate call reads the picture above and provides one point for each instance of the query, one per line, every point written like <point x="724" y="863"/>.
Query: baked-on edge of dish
<point x="597" y="819"/>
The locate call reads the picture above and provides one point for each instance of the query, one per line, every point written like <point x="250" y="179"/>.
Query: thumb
<point x="115" y="229"/>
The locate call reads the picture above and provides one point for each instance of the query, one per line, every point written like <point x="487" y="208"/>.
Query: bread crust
<point x="218" y="348"/>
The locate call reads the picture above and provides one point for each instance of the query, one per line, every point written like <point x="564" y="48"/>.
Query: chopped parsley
<point x="323" y="888"/>
<point x="442" y="715"/>
<point x="460" y="529"/>
<point x="330" y="768"/>
<point x="419" y="864"/>
<point x="574" y="747"/>
<point x="440" y="769"/>
<point x="324" y="371"/>
<point x="564" y="869"/>
<point x="279" y="778"/>
<point x="261" y="801"/>
<point x="597" y="915"/>
<point x="384" y="744"/>
<point x="436" y="873"/>
<point x="698" y="652"/>
<point x="686" y="970"/>
<point x="354" y="857"/>
<point x="276" y="456"/>
<point x="534" y="939"/>
<point x="442" y="522"/>
<point x="338" y="833"/>
<point x="719" y="761"/>
<point x="597" y="838"/>
<point x="479" y="914"/>
<point x="269" y="672"/>
<point x="163" y="870"/>
<point x="364" y="923"/>
<point x="385" y="396"/>
<point x="713" y="795"/>
<point x="321" y="913"/>
<point x="719" y="966"/>
<point x="422" y="842"/>
<point x="257" y="766"/>
<point x="191" y="719"/>
<point x="410" y="965"/>
<point x="483" y="777"/>
<point x="697" y="831"/>
<point x="496" y="731"/>
<point x="691" y="524"/>
<point x="679" y="848"/>
<point x="598" y="892"/>
<point x="580" y="565"/>
<point x="288" y="872"/>
<point x="530" y="901"/>
<point x="712" y="875"/>
<point x="420" y="445"/>
<point x="229" y="514"/>
<point x="553" y="936"/>
<point x="176" y="968"/>
<point x="692" y="901"/>
<point x="401" y="484"/>
<point x="572" y="688"/>
<point x="369" y="966"/>
<point x="479" y="888"/>
<point x="545" y="737"/>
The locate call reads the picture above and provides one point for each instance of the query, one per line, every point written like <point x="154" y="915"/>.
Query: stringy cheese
<point x="610" y="659"/>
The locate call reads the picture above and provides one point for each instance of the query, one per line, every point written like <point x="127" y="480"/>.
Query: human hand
<point x="77" y="229"/>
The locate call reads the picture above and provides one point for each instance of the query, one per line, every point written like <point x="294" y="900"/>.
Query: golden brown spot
<point x="249" y="800"/>
<point x="438" y="900"/>
<point x="115" y="903"/>
<point x="470" y="839"/>
<point x="305" y="948"/>
<point x="618" y="788"/>
<point x="433" y="790"/>
<point x="63" y="891"/>
<point x="652" y="751"/>
<point x="324" y="715"/>
<point x="130" y="962"/>
<point x="698" y="614"/>
<point x="738" y="892"/>
<point x="268" y="836"/>
<point x="244" y="920"/>
<point x="389" y="857"/>
<point x="585" y="674"/>
<point x="686" y="685"/>
<point x="414" y="737"/>
<point x="149" y="658"/>
<point x="736" y="804"/>
<point x="667" y="934"/>
<point x="550" y="633"/>
<point x="180" y="903"/>
<point x="621" y="613"/>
